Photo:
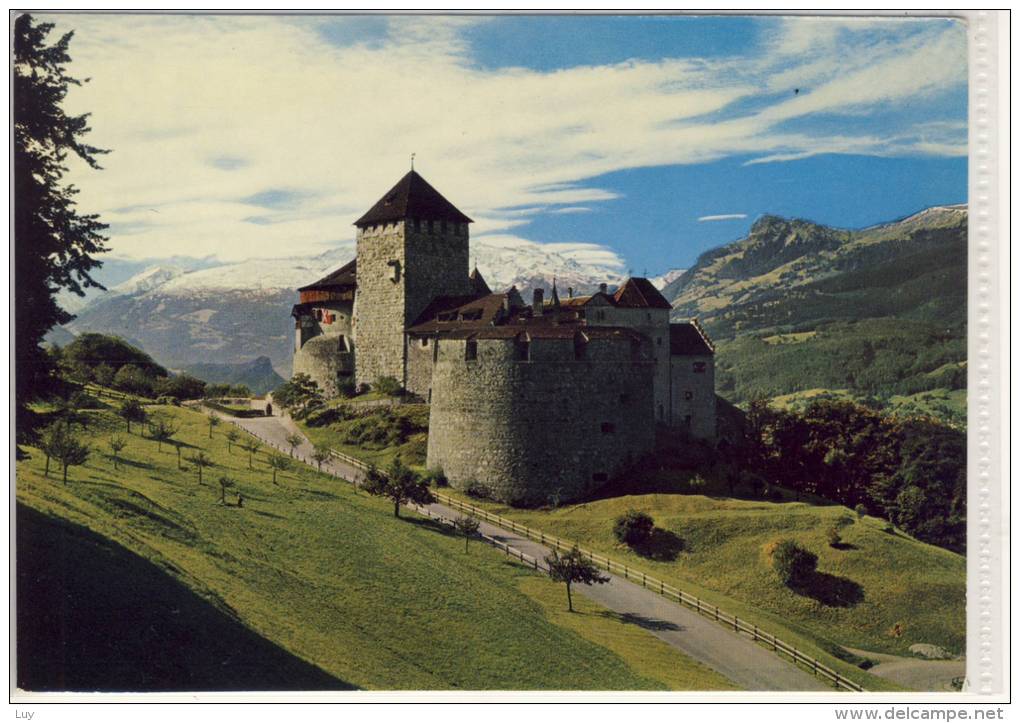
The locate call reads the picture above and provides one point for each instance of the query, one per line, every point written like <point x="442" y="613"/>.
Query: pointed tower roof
<point x="640" y="293"/>
<point x="478" y="283"/>
<point x="555" y="296"/>
<point x="412" y="197"/>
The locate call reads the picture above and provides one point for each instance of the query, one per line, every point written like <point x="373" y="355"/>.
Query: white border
<point x="988" y="504"/>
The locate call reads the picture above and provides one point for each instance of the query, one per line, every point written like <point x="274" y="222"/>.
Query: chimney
<point x="603" y="287"/>
<point x="570" y="292"/>
<point x="536" y="302"/>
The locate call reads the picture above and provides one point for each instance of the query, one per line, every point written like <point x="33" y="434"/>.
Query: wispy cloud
<point x="308" y="119"/>
<point x="722" y="217"/>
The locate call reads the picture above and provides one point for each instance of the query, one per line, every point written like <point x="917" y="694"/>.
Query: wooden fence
<point x="668" y="591"/>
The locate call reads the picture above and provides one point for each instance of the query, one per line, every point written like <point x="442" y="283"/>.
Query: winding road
<point x="734" y="655"/>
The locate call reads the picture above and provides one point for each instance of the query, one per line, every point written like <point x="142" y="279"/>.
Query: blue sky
<point x="612" y="137"/>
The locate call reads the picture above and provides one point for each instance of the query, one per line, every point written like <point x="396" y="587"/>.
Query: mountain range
<point x="227" y="314"/>
<point x="795" y="307"/>
<point x="798" y="308"/>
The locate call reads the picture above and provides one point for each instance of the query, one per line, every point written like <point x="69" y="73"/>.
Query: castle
<point x="528" y="402"/>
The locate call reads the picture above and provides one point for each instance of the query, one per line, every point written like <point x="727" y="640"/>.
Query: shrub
<point x="793" y="563"/>
<point x="474" y="488"/>
<point x="388" y="386"/>
<point x="861" y="510"/>
<point x="634" y="528"/>
<point x="436" y="478"/>
<point x="833" y="537"/>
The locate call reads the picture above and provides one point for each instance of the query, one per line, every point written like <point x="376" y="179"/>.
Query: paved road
<point x="736" y="656"/>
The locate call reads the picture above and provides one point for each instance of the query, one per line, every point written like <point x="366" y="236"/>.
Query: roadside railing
<point x="670" y="592"/>
<point x="656" y="585"/>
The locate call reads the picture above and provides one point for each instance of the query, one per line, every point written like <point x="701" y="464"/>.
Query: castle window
<point x="424" y="341"/>
<point x="394" y="270"/>
<point x="649" y="315"/>
<point x="700" y="367"/>
<point x="608" y="428"/>
<point x="471" y="350"/>
<point x="318" y="314"/>
<point x="688" y="395"/>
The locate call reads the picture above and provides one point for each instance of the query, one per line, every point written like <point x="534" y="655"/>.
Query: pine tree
<point x="54" y="243"/>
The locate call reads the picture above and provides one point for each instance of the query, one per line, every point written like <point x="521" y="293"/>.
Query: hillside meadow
<point x="878" y="591"/>
<point x="320" y="582"/>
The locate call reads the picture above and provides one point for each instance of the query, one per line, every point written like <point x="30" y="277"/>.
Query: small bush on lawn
<point x="792" y="563"/>
<point x="634" y="528"/>
<point x="388" y="386"/>
<point x="833" y="537"/>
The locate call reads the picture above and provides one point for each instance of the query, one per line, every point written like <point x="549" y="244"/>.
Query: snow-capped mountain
<point x="670" y="276"/>
<point x="233" y="312"/>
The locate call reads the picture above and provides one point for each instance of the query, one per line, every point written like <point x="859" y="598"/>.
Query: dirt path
<point x="735" y="656"/>
<point x="915" y="673"/>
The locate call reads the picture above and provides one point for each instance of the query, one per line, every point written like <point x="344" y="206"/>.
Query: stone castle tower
<point x="412" y="246"/>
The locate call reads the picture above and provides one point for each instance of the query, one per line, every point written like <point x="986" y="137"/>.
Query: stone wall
<point x="693" y="395"/>
<point x="653" y="323"/>
<point x="379" y="303"/>
<point x="402" y="267"/>
<point x="327" y="360"/>
<point x="419" y="366"/>
<point x="539" y="431"/>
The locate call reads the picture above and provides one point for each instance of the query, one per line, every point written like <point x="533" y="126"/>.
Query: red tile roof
<point x="640" y="293"/>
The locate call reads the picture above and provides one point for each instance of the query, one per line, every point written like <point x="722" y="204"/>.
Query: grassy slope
<point x="331" y="577"/>
<point x="411" y="452"/>
<point x="903" y="581"/>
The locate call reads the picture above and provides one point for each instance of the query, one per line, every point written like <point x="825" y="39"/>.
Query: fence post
<point x="736" y="624"/>
<point x="717" y="613"/>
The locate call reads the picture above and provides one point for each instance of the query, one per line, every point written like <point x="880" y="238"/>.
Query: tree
<point x="278" y="463"/>
<point x="400" y="483"/>
<point x="181" y="386"/>
<point x="251" y="446"/>
<point x="116" y="445"/>
<point x="225" y="484"/>
<point x="214" y="421"/>
<point x="132" y="411"/>
<point x="163" y="431"/>
<point x="320" y="455"/>
<point x="467" y="526"/>
<point x="634" y="528"/>
<point x="231" y="436"/>
<point x="69" y="451"/>
<point x="133" y="380"/>
<point x="55" y="244"/>
<point x="793" y="563"/>
<point x="573" y="567"/>
<point x="293" y="441"/>
<point x="299" y="394"/>
<point x="103" y="374"/>
<point x="52" y="442"/>
<point x="201" y="461"/>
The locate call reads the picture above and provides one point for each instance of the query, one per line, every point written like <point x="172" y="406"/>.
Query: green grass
<point x="722" y="560"/>
<point x="383" y="421"/>
<point x="329" y="576"/>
